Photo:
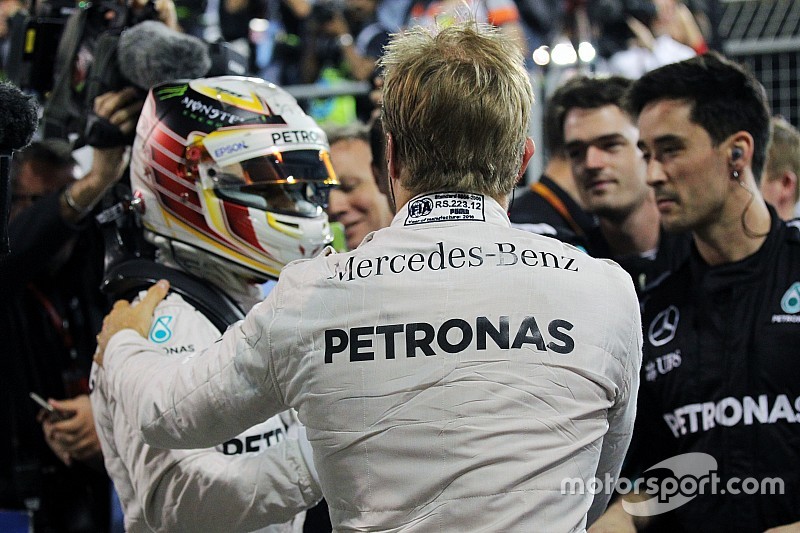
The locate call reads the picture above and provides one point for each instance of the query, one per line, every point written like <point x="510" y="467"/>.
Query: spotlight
<point x="541" y="56"/>
<point x="564" y="54"/>
<point x="586" y="52"/>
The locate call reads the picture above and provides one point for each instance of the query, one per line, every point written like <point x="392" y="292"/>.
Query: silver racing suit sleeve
<point x="204" y="490"/>
<point x="200" y="400"/>
<point x="262" y="477"/>
<point x="620" y="417"/>
<point x="213" y="492"/>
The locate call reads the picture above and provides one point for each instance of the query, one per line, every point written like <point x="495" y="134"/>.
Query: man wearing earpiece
<point x="720" y="369"/>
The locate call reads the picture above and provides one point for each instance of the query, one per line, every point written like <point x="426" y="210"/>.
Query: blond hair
<point x="784" y="151"/>
<point x="457" y="102"/>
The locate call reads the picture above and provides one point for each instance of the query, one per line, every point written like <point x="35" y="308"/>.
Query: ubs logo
<point x="420" y="207"/>
<point x="664" y="326"/>
<point x="662" y="365"/>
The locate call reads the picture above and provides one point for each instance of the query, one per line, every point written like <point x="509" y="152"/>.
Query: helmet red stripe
<point x="238" y="219"/>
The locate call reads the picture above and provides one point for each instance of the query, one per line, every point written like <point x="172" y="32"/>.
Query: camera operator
<point x="345" y="42"/>
<point x="50" y="313"/>
<point x="234" y="21"/>
<point x="611" y="20"/>
<point x="7" y="10"/>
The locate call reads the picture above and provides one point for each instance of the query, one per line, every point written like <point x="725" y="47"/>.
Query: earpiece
<point x="736" y="153"/>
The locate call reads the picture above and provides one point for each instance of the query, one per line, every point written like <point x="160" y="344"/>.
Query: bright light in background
<point x="586" y="52"/>
<point x="541" y="56"/>
<point x="564" y="54"/>
<point x="258" y="25"/>
<point x="258" y="30"/>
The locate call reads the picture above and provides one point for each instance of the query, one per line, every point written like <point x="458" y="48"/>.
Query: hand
<point x="336" y="26"/>
<point x="788" y="528"/>
<point x="121" y="108"/>
<point x="166" y="12"/>
<point x="614" y="520"/>
<point x="644" y="37"/>
<point x="75" y="437"/>
<point x="234" y="6"/>
<point x="137" y="317"/>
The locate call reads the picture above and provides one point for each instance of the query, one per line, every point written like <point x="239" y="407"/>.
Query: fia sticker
<point x="445" y="207"/>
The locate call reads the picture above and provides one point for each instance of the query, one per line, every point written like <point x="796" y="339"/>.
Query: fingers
<point x="167" y="13"/>
<point x="126" y="118"/>
<point x="63" y="455"/>
<point x="86" y="449"/>
<point x="66" y="427"/>
<point x="43" y="416"/>
<point x="73" y="408"/>
<point x="107" y="103"/>
<point x="98" y="353"/>
<point x="155" y="294"/>
<point x="137" y="317"/>
<point x="120" y="108"/>
<point x="72" y="439"/>
<point x="119" y="304"/>
<point x="65" y="405"/>
<point x="109" y="328"/>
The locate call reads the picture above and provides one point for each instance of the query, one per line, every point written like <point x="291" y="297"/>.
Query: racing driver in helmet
<point x="230" y="178"/>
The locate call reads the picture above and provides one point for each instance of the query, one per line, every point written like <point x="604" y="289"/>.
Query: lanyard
<point x="60" y="324"/>
<point x="558" y="205"/>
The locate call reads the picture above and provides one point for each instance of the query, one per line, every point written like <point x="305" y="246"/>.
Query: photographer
<point x="7" y="10"/>
<point x="635" y="37"/>
<point x="345" y="42"/>
<point x="51" y="310"/>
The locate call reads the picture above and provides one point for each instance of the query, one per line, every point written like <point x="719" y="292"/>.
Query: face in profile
<point x="608" y="167"/>
<point x="689" y="174"/>
<point x="357" y="203"/>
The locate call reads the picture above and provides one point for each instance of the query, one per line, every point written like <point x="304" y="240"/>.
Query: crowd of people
<point x="472" y="343"/>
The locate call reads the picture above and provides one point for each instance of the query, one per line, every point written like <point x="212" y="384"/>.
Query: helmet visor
<point x="295" y="182"/>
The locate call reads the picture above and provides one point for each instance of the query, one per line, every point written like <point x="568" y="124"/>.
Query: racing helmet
<point x="232" y="166"/>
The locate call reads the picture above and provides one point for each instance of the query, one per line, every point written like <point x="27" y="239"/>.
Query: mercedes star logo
<point x="664" y="325"/>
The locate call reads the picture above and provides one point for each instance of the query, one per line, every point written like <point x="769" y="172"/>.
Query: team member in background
<point x="250" y="201"/>
<point x="449" y="359"/>
<point x="552" y="206"/>
<point x="779" y="185"/>
<point x="357" y="203"/>
<point x="600" y="140"/>
<point x="719" y="376"/>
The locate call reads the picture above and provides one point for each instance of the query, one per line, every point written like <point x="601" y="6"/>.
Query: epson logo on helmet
<point x="230" y="149"/>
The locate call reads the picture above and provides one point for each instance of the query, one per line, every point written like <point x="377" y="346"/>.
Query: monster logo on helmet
<point x="232" y="166"/>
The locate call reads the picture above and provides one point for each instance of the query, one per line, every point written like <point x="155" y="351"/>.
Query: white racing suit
<point x="257" y="476"/>
<point x="453" y="373"/>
